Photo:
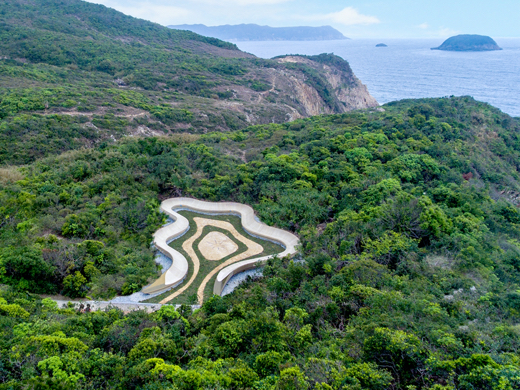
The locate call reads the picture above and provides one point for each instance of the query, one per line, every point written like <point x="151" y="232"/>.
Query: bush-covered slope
<point x="84" y="19"/>
<point x="410" y="236"/>
<point x="86" y="74"/>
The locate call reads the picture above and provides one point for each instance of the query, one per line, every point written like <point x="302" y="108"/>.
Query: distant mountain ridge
<point x="254" y="32"/>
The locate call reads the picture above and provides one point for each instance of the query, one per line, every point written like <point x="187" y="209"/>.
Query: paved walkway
<point x="252" y="249"/>
<point x="179" y="269"/>
<point x="102" y="305"/>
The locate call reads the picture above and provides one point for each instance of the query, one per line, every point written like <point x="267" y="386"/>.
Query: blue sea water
<point x="409" y="69"/>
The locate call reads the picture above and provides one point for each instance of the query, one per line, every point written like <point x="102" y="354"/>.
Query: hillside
<point x="410" y="240"/>
<point x="408" y="273"/>
<point x="75" y="74"/>
<point x="254" y="32"/>
<point x="469" y="42"/>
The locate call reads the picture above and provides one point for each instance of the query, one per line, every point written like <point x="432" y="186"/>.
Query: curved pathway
<point x="252" y="249"/>
<point x="179" y="269"/>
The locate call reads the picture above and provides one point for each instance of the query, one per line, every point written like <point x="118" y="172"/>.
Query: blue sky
<point x="355" y="18"/>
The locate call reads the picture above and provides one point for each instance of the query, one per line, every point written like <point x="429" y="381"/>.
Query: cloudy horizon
<point x="355" y="19"/>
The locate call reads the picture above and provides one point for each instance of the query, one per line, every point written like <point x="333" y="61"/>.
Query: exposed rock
<point x="299" y="87"/>
<point x="347" y="92"/>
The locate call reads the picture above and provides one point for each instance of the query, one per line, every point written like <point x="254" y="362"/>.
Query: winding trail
<point x="104" y="305"/>
<point x="179" y="269"/>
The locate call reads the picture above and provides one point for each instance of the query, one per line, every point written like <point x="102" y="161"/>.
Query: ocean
<point x="409" y="69"/>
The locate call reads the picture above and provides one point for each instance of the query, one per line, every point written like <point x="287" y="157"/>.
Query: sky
<point x="354" y="18"/>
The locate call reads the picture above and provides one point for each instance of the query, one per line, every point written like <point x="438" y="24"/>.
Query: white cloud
<point x="348" y="17"/>
<point x="158" y="13"/>
<point x="445" y="32"/>
<point x="437" y="32"/>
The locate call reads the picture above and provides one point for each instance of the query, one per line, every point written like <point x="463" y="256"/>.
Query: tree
<point x="75" y="286"/>
<point x="292" y="379"/>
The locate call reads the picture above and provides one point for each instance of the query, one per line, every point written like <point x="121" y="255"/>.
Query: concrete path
<point x="102" y="305"/>
<point x="252" y="249"/>
<point x="179" y="269"/>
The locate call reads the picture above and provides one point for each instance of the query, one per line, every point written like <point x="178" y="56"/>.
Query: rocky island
<point x="469" y="42"/>
<point x="254" y="32"/>
<point x="381" y="45"/>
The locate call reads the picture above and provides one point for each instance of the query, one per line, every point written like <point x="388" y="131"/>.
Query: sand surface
<point x="253" y="249"/>
<point x="215" y="246"/>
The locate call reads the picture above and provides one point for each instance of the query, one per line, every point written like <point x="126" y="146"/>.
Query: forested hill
<point x="409" y="269"/>
<point x="76" y="74"/>
<point x="410" y="276"/>
<point x="84" y="20"/>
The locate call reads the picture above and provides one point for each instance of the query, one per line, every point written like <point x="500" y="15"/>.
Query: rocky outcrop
<point x="339" y="91"/>
<point x="467" y="42"/>
<point x="293" y="87"/>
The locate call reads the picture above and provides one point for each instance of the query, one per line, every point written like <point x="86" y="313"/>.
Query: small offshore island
<point x="381" y="45"/>
<point x="469" y="42"/>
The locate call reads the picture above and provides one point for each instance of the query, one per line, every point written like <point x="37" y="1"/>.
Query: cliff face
<point x="347" y="90"/>
<point x="303" y="86"/>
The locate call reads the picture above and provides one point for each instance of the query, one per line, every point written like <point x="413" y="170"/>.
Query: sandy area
<point x="252" y="249"/>
<point x="215" y="246"/>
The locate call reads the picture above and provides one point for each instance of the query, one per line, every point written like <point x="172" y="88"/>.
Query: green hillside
<point x="409" y="274"/>
<point x="410" y="235"/>
<point x="75" y="74"/>
<point x="93" y="37"/>
<point x="69" y="64"/>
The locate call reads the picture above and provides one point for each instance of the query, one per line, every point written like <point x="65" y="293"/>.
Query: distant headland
<point x="254" y="32"/>
<point x="469" y="43"/>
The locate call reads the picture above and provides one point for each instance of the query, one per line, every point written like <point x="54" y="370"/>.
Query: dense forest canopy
<point x="409" y="272"/>
<point x="410" y="241"/>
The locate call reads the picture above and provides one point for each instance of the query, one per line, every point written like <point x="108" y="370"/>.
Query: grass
<point x="10" y="175"/>
<point x="206" y="266"/>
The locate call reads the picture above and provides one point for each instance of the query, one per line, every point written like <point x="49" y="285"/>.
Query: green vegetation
<point x="75" y="74"/>
<point x="408" y="218"/>
<point x="410" y="235"/>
